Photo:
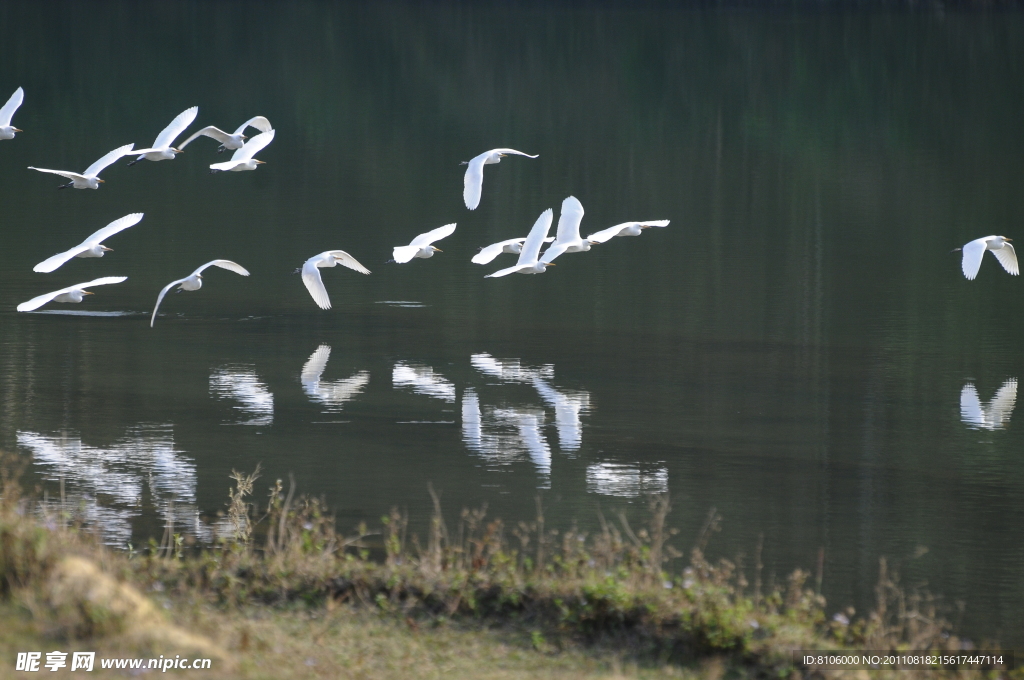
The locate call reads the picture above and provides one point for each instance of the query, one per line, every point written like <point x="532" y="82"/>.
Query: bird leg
<point x="214" y="172"/>
<point x="65" y="186"/>
<point x="131" y="163"/>
<point x="221" y="149"/>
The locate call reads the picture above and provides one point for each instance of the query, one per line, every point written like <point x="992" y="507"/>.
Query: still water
<point x="797" y="349"/>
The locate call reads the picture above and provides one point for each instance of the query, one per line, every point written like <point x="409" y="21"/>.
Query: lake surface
<point x="798" y="349"/>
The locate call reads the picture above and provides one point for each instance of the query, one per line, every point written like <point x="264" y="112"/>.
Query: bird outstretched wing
<point x="973" y="253"/>
<point x="176" y="127"/>
<point x="208" y="131"/>
<point x="490" y="252"/>
<point x="258" y="122"/>
<point x="114" y="227"/>
<point x="7" y="112"/>
<point x="433" y="235"/>
<point x="513" y="152"/>
<point x="535" y="239"/>
<point x="346" y="260"/>
<point x="253" y="146"/>
<point x="315" y="285"/>
<point x="608" y="234"/>
<point x="473" y="182"/>
<point x="112" y="157"/>
<point x="402" y="254"/>
<point x="160" y="298"/>
<point x="1008" y="258"/>
<point x="54" y="261"/>
<point x="569" y="221"/>
<point x="223" y="264"/>
<point x="63" y="173"/>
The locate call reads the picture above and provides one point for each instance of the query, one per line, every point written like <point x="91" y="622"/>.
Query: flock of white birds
<point x="567" y="237"/>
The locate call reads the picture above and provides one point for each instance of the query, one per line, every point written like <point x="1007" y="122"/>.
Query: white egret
<point x="162" y="149"/>
<point x="420" y="246"/>
<point x="624" y="229"/>
<point x="473" y="182"/>
<point x="975" y="250"/>
<point x="90" y="247"/>
<point x="233" y="140"/>
<point x="243" y="159"/>
<point x="529" y="262"/>
<point x="996" y="414"/>
<point x="7" y="112"/>
<point x="90" y="178"/>
<point x="513" y="246"/>
<point x="73" y="293"/>
<point x="567" y="237"/>
<point x="194" y="281"/>
<point x="311" y="273"/>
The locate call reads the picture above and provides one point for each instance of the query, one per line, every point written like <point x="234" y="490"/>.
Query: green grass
<point x="287" y="596"/>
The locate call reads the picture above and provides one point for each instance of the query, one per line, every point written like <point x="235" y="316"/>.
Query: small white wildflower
<point x="841" y="618"/>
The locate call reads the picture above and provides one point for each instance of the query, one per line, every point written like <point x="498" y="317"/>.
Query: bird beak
<point x="594" y="243"/>
<point x="85" y="292"/>
<point x="245" y="136"/>
<point x="548" y="264"/>
<point x="17" y="130"/>
<point x="1007" y="239"/>
<point x="106" y="248"/>
<point x="437" y="250"/>
<point x="176" y="150"/>
<point x="199" y="276"/>
<point x="101" y="181"/>
<point x="261" y="162"/>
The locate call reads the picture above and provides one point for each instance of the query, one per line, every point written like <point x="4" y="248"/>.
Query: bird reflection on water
<point x="332" y="394"/>
<point x="996" y="414"/>
<point x="145" y="458"/>
<point x="242" y="384"/>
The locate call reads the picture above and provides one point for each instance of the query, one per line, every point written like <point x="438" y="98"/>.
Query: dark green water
<point x="791" y="350"/>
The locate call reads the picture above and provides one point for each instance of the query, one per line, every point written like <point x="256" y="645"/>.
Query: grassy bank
<point x="286" y="595"/>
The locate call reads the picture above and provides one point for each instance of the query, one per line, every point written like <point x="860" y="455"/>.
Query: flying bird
<point x="996" y="415"/>
<point x="975" y="250"/>
<point x="233" y="140"/>
<point x="73" y="293"/>
<point x="513" y="246"/>
<point x="90" y="247"/>
<point x="243" y="159"/>
<point x="529" y="262"/>
<point x="473" y="182"/>
<point x="420" y="246"/>
<point x="7" y="112"/>
<point x="624" y="229"/>
<point x="162" y="149"/>
<point x="567" y="237"/>
<point x="90" y="178"/>
<point x="194" y="281"/>
<point x="311" y="273"/>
